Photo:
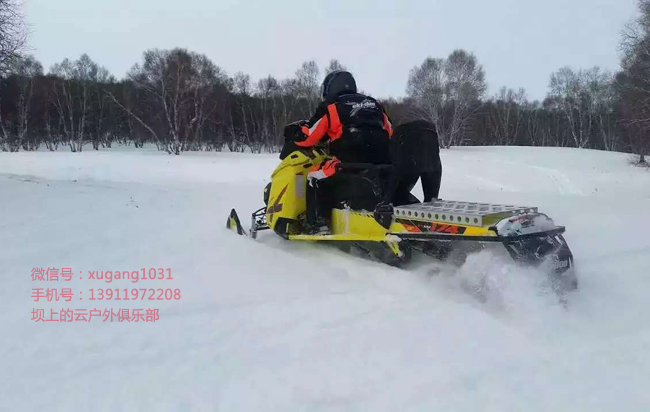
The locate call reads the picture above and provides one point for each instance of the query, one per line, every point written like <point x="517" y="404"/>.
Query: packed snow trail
<point x="272" y="325"/>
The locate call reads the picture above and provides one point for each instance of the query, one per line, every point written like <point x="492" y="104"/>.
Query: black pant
<point x="416" y="155"/>
<point x="319" y="202"/>
<point x="404" y="184"/>
<point x="359" y="192"/>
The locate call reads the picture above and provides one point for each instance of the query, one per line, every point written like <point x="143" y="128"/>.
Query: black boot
<point x="317" y="210"/>
<point x="319" y="227"/>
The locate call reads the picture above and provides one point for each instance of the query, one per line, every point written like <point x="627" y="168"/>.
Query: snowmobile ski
<point x="234" y="224"/>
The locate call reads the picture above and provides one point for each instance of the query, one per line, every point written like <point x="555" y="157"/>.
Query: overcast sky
<point x="518" y="42"/>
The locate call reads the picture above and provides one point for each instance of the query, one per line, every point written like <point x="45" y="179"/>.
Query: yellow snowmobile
<point x="438" y="228"/>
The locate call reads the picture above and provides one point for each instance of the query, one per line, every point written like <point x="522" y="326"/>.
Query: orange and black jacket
<point x="356" y="127"/>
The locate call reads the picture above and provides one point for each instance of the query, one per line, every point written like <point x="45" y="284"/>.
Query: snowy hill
<point x="271" y="325"/>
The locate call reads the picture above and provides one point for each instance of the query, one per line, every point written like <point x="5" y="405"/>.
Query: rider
<point x="357" y="129"/>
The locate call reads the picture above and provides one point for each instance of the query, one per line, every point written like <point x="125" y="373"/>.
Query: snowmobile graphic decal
<point x="276" y="206"/>
<point x="423" y="227"/>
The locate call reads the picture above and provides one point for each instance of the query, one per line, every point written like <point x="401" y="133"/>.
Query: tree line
<point x="180" y="100"/>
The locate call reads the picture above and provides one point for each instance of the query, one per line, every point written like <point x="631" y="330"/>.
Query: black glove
<point x="292" y="133"/>
<point x="292" y="130"/>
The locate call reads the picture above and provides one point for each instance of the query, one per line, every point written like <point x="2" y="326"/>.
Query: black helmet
<point x="336" y="83"/>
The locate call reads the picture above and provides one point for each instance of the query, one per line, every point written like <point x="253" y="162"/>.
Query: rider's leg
<point x="318" y="206"/>
<point x="431" y="181"/>
<point x="402" y="192"/>
<point x="319" y="196"/>
<point x="431" y="185"/>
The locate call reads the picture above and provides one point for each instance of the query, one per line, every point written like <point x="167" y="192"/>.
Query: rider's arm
<point x="315" y="129"/>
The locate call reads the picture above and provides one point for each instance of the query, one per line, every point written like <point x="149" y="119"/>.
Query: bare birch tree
<point x="205" y="76"/>
<point x="633" y="83"/>
<point x="13" y="39"/>
<point x="586" y="100"/>
<point x="70" y="95"/>
<point x="13" y="33"/>
<point x="307" y="77"/>
<point x="445" y="92"/>
<point x="24" y="71"/>
<point x="334" y="65"/>
<point x="505" y="121"/>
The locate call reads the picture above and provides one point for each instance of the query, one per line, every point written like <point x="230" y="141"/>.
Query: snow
<point x="271" y="325"/>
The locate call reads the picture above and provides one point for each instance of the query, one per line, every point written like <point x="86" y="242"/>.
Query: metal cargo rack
<point x="461" y="213"/>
